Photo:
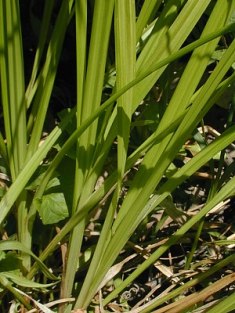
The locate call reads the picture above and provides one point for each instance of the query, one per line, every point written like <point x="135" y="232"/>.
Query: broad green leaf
<point x="10" y="262"/>
<point x="53" y="206"/>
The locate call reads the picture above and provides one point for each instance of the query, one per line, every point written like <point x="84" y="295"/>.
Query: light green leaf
<point x="10" y="262"/>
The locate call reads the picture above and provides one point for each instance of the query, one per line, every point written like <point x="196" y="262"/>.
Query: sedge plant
<point x="107" y="161"/>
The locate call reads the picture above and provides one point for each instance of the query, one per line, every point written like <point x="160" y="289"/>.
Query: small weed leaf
<point x="53" y="206"/>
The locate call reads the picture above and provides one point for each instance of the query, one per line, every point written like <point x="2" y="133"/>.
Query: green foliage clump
<point x="105" y="131"/>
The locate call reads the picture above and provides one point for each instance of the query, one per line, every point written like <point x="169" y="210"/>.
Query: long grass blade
<point x="92" y="92"/>
<point x="47" y="76"/>
<point x="12" y="81"/>
<point x="45" y="26"/>
<point x="148" y="9"/>
<point x="81" y="50"/>
<point x="125" y="49"/>
<point x="224" y="306"/>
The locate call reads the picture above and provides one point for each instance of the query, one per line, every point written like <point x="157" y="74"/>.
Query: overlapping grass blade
<point x="179" y="102"/>
<point x="16" y="245"/>
<point x="81" y="50"/>
<point x="196" y="280"/>
<point x="45" y="26"/>
<point x="125" y="52"/>
<point x="13" y="101"/>
<point x="150" y="171"/>
<point x="226" y="192"/>
<point x="72" y="139"/>
<point x="147" y="10"/>
<point x="155" y="161"/>
<point x="47" y="77"/>
<point x="6" y="284"/>
<point x="22" y="179"/>
<point x="185" y="304"/>
<point x="12" y="83"/>
<point x="92" y="93"/>
<point x="125" y="68"/>
<point x="224" y="306"/>
<point x="16" y="188"/>
<point x="186" y="171"/>
<point x="99" y="123"/>
<point x="191" y="167"/>
<point x="166" y="38"/>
